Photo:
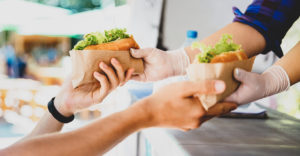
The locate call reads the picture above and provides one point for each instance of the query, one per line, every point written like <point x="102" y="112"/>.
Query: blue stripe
<point x="278" y="16"/>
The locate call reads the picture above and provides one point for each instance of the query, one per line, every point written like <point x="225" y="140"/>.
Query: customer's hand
<point x="256" y="86"/>
<point x="161" y="64"/>
<point x="174" y="106"/>
<point x="70" y="100"/>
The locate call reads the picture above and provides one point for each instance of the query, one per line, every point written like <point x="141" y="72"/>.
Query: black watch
<point x="59" y="117"/>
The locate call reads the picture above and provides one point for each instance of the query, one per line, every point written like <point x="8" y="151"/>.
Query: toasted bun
<point x="229" y="57"/>
<point x="118" y="45"/>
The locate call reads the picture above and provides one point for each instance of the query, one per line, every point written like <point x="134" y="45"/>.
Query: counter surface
<point x="277" y="135"/>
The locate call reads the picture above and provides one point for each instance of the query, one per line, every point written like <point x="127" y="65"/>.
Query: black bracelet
<point x="57" y="115"/>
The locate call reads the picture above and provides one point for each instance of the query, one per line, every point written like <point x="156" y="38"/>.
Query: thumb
<point x="244" y="77"/>
<point x="139" y="53"/>
<point x="241" y="75"/>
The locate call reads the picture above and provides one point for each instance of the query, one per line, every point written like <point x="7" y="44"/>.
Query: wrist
<point x="142" y="113"/>
<point x="179" y="61"/>
<point x="61" y="106"/>
<point x="276" y="80"/>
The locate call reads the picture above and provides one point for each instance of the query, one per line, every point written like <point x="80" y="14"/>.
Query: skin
<point x="176" y="106"/>
<point x="70" y="101"/>
<point x="251" y="40"/>
<point x="174" y="102"/>
<point x="159" y="64"/>
<point x="289" y="63"/>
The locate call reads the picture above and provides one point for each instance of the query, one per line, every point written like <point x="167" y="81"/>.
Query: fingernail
<point x="114" y="61"/>
<point x="103" y="65"/>
<point x="132" y="50"/>
<point x="96" y="74"/>
<point x="237" y="72"/>
<point x="219" y="86"/>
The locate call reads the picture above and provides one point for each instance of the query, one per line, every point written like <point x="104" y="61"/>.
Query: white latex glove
<point x="256" y="86"/>
<point x="161" y="64"/>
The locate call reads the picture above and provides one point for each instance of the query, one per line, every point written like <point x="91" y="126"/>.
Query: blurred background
<point x="36" y="36"/>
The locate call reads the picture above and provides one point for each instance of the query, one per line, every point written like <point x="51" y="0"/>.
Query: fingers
<point x="189" y="88"/>
<point x="234" y="97"/>
<point x="220" y="108"/>
<point x="140" y="53"/>
<point x="116" y="77"/>
<point x="110" y="73"/>
<point x="104" y="89"/>
<point x="128" y="74"/>
<point x="249" y="84"/>
<point x="119" y="69"/>
<point x="241" y="75"/>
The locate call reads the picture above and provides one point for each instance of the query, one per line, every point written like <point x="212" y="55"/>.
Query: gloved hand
<point x="256" y="86"/>
<point x="160" y="64"/>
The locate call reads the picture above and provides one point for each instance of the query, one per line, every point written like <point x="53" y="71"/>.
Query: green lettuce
<point x="98" y="38"/>
<point x="225" y="44"/>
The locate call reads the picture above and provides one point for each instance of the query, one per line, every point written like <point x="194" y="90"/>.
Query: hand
<point x="160" y="64"/>
<point x="70" y="100"/>
<point x="256" y="86"/>
<point x="174" y="106"/>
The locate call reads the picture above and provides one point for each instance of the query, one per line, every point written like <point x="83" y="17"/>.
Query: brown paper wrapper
<point x="86" y="62"/>
<point x="217" y="71"/>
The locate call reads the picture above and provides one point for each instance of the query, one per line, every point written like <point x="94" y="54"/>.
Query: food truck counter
<point x="277" y="135"/>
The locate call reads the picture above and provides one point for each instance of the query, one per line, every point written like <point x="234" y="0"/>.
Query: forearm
<point x="96" y="138"/>
<point x="47" y="124"/>
<point x="290" y="63"/>
<point x="251" y="40"/>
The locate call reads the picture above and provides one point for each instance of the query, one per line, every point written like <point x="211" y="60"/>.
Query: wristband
<point x="59" y="117"/>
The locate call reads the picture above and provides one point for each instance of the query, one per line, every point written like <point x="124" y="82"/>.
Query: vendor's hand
<point x="174" y="105"/>
<point x="160" y="64"/>
<point x="252" y="87"/>
<point x="256" y="86"/>
<point x="70" y="100"/>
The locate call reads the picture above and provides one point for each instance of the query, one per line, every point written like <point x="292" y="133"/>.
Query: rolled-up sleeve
<point x="272" y="18"/>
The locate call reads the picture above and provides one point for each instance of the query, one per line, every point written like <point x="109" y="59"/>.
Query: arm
<point x="93" y="139"/>
<point x="70" y="101"/>
<point x="160" y="64"/>
<point x="47" y="124"/>
<point x="275" y="79"/>
<point x="259" y="30"/>
<point x="250" y="39"/>
<point x="290" y="62"/>
<point x="174" y="102"/>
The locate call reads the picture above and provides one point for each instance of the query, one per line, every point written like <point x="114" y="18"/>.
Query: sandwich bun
<point x="229" y="57"/>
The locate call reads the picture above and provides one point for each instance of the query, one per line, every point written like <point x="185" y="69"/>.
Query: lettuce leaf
<point x="98" y="38"/>
<point x="225" y="44"/>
